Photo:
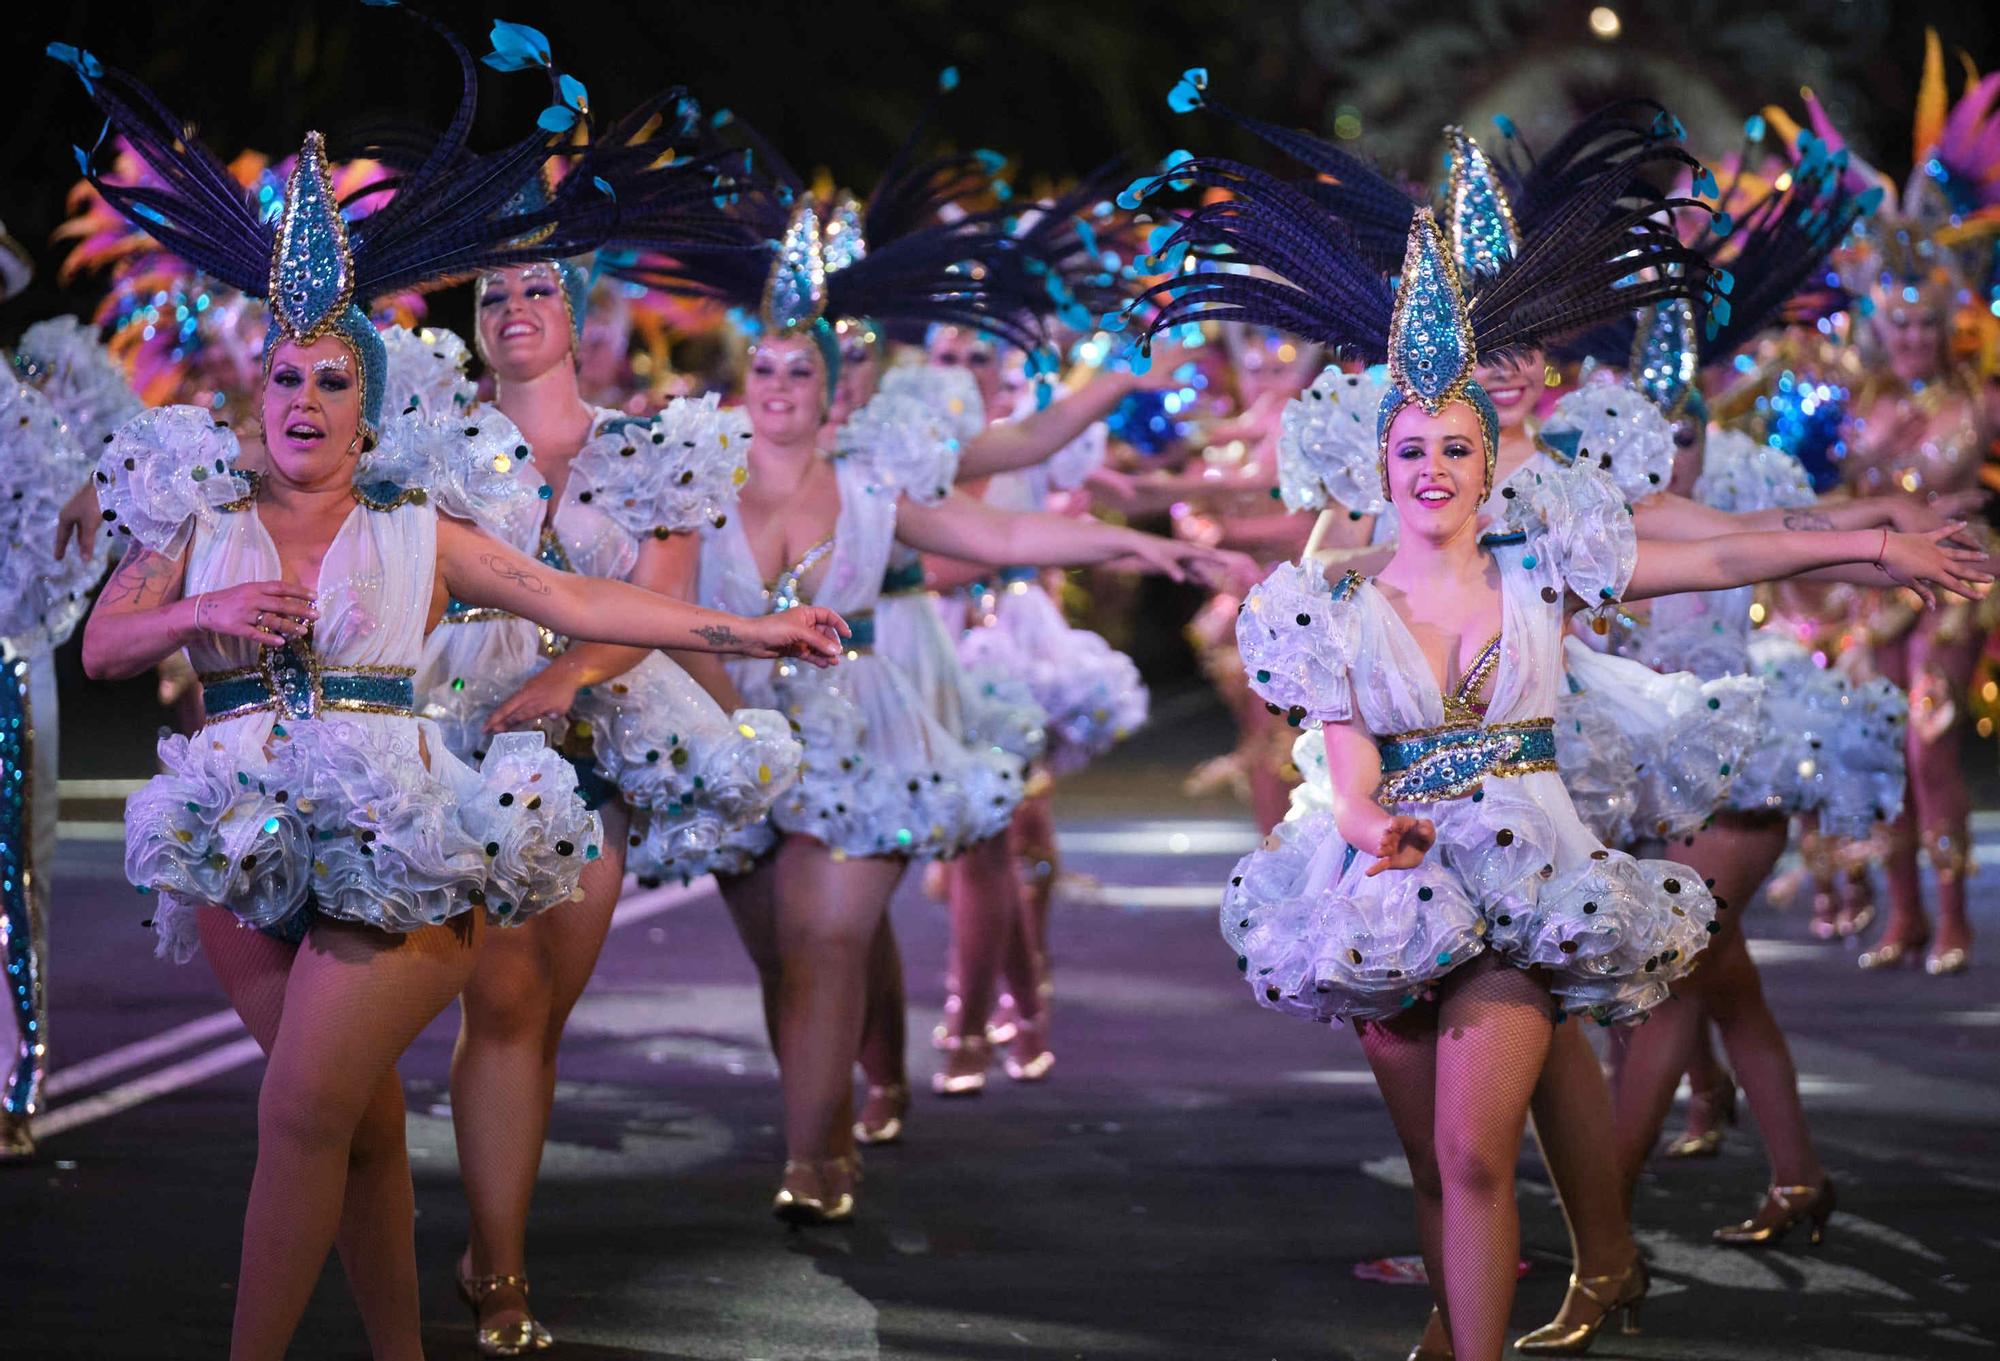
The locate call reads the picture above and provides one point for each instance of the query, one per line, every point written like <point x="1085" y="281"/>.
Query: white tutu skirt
<point x="1316" y="937"/>
<point x="987" y="707"/>
<point x="1090" y="694"/>
<point x="881" y="776"/>
<point x="1651" y="756"/>
<point x="1827" y="745"/>
<point x="362" y="818"/>
<point x="468" y="668"/>
<point x="700" y="781"/>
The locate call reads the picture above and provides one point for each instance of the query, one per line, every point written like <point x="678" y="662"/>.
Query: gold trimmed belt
<point x="291" y="682"/>
<point x="1451" y="762"/>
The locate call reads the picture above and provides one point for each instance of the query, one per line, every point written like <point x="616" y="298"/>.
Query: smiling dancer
<point x="1434" y="964"/>
<point x="316" y="809"/>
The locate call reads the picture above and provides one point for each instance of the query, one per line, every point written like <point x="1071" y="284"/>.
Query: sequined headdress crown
<point x="449" y="217"/>
<point x="1580" y="239"/>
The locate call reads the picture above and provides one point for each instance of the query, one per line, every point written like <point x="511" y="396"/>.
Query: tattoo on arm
<point x="523" y="577"/>
<point x="1807" y="519"/>
<point x="141" y="581"/>
<point x="718" y="635"/>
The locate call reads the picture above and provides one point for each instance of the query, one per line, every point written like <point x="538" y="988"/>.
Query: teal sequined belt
<point x="291" y="682"/>
<point x="904" y="580"/>
<point x="1453" y="761"/>
<point x="861" y="637"/>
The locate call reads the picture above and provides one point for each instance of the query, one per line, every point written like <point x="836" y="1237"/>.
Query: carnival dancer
<point x="1313" y="933"/>
<point x="316" y="807"/>
<point x="61" y="399"/>
<point x="1919" y="426"/>
<point x="883" y="782"/>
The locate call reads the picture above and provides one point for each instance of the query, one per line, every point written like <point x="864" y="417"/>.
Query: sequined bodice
<point x="1945" y="457"/>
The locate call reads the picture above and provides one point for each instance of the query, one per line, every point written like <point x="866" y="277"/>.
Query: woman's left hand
<point x="1931" y="562"/>
<point x="549" y="694"/>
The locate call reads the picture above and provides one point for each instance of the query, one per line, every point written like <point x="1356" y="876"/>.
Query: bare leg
<point x="753" y="908"/>
<point x="827" y="914"/>
<point x="986" y="916"/>
<point x="377" y="1218"/>
<point x="1937" y="777"/>
<point x="1494" y="1024"/>
<point x="886" y="1030"/>
<point x="1736" y="854"/>
<point x="1907" y="924"/>
<point x="503" y="1069"/>
<point x="354" y="999"/>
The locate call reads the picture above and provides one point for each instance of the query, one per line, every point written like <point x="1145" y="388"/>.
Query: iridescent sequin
<point x="1665" y="354"/>
<point x="1483" y="234"/>
<point x="795" y="294"/>
<point x="312" y="272"/>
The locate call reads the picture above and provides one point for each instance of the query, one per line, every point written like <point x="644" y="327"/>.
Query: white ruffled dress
<point x="42" y="463"/>
<point x="698" y="780"/>
<point x="986" y="706"/>
<point x="1515" y="870"/>
<point x="314" y="789"/>
<point x="1824" y="743"/>
<point x="882" y="774"/>
<point x="1648" y="755"/>
<point x="1090" y="694"/>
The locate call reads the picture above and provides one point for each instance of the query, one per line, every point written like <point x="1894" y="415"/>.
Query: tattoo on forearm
<point x="525" y="578"/>
<point x="718" y="635"/>
<point x="1807" y="519"/>
<point x="142" y="580"/>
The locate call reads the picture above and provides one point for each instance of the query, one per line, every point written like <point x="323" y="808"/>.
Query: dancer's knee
<point x="511" y="995"/>
<point x="305" y="1118"/>
<point x="1472" y="1166"/>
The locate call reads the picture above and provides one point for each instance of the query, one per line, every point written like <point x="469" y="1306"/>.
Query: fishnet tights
<point x="1457" y="1075"/>
<point x="334" y="1015"/>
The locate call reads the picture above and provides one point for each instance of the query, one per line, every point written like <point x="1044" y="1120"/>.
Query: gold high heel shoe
<point x="966" y="1059"/>
<point x="888" y="1129"/>
<point x="1784" y="1209"/>
<point x="518" y="1338"/>
<point x="1029" y="1040"/>
<point x="812" y="1211"/>
<point x="1623" y="1293"/>
<point x="1423" y="1351"/>
<point x="1719" y="1105"/>
<point x="1945" y="962"/>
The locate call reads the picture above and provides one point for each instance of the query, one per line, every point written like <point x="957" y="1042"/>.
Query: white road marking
<point x="632" y="909"/>
<point x="143" y="1089"/>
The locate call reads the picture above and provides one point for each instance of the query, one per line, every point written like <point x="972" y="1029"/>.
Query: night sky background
<point x="1060" y="86"/>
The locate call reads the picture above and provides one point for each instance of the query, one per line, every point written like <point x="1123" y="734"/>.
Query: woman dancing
<point x="316" y="808"/>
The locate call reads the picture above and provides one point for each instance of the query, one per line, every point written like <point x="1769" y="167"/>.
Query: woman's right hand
<point x="1403" y="844"/>
<point x="1932" y="562"/>
<point x="267" y="612"/>
<point x="810" y="632"/>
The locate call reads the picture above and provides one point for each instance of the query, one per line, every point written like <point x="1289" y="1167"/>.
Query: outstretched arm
<point x="483" y="571"/>
<point x="963" y="528"/>
<point x="1926" y="563"/>
<point x="553" y="690"/>
<point x="1354" y="767"/>
<point x="1668" y="516"/>
<point x="1006" y="445"/>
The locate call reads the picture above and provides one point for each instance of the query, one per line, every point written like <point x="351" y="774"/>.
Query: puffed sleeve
<point x="675" y="472"/>
<point x="1615" y="428"/>
<point x="1576" y="530"/>
<point x="1326" y="444"/>
<point x="41" y="596"/>
<point x="1297" y="635"/>
<point x="468" y="462"/>
<point x="426" y="372"/>
<point x="165" y="471"/>
<point x="952" y="395"/>
<point x="901" y="444"/>
<point x="1742" y="474"/>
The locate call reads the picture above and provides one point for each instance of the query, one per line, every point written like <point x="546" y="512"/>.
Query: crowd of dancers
<point x="1488" y="482"/>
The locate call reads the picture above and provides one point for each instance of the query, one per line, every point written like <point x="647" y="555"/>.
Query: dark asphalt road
<point x="1197" y="1180"/>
